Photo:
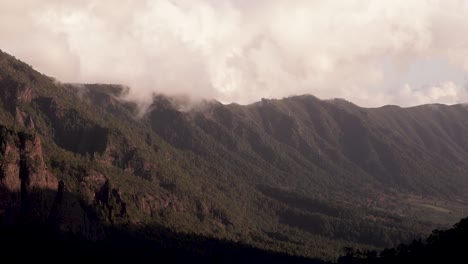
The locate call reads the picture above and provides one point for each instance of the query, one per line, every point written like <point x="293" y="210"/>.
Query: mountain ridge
<point x="298" y="175"/>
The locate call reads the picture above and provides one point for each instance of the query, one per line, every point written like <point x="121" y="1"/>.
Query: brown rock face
<point x="35" y="170"/>
<point x="24" y="94"/>
<point x="23" y="119"/>
<point x="154" y="204"/>
<point x="10" y="170"/>
<point x="26" y="185"/>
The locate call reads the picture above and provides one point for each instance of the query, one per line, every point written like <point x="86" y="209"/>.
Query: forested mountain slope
<point x="299" y="175"/>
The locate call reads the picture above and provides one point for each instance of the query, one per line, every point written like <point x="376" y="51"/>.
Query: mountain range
<point x="297" y="176"/>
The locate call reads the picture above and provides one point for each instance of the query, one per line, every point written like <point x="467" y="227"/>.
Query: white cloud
<point x="445" y="93"/>
<point x="239" y="50"/>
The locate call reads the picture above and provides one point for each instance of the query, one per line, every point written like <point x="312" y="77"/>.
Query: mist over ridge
<point x="404" y="52"/>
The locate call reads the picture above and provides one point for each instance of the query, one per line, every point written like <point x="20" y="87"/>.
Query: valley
<point x="299" y="176"/>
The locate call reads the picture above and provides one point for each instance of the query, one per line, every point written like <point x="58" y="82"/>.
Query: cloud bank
<point x="241" y="51"/>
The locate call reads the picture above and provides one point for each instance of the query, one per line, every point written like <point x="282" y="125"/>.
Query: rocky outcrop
<point x="26" y="185"/>
<point x="154" y="204"/>
<point x="24" y="94"/>
<point x="202" y="210"/>
<point x="23" y="119"/>
<point x="31" y="194"/>
<point x="109" y="203"/>
<point x="119" y="152"/>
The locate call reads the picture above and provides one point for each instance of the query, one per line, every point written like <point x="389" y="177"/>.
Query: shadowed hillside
<point x="442" y="246"/>
<point x="32" y="239"/>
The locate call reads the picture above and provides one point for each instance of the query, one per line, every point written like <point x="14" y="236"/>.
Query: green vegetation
<point x="299" y="175"/>
<point x="442" y="246"/>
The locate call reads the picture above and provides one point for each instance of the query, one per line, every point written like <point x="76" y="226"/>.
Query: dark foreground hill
<point x="447" y="246"/>
<point x="298" y="176"/>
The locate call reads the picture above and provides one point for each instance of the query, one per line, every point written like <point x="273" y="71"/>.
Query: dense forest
<point x="298" y="177"/>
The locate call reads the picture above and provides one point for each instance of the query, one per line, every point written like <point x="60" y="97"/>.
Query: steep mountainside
<point x="299" y="175"/>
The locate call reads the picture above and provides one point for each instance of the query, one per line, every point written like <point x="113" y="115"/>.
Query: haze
<point x="369" y="52"/>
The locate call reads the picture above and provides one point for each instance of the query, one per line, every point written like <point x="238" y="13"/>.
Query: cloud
<point x="239" y="50"/>
<point x="445" y="93"/>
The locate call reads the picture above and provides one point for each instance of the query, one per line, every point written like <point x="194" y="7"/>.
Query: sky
<point x="372" y="53"/>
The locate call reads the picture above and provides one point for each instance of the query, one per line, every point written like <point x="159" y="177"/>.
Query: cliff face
<point x="26" y="184"/>
<point x="31" y="194"/>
